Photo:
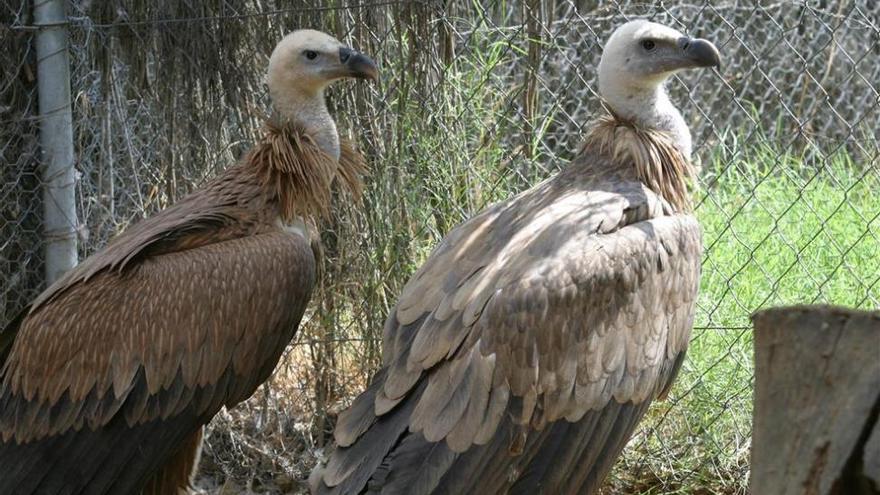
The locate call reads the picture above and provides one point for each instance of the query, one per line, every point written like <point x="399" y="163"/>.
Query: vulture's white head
<point x="637" y="60"/>
<point x="302" y="65"/>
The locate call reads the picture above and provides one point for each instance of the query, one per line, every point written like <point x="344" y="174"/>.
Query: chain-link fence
<point x="478" y="100"/>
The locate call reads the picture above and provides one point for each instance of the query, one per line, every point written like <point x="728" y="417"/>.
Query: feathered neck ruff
<point x="299" y="174"/>
<point x="658" y="163"/>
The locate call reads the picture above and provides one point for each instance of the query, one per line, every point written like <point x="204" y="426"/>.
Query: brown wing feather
<point x="581" y="291"/>
<point x="285" y="174"/>
<point x="183" y="314"/>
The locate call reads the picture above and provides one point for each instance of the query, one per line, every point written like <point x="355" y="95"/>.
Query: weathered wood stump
<point x="817" y="401"/>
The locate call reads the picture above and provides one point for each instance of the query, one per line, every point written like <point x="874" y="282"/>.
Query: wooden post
<point x="817" y="400"/>
<point x="56" y="138"/>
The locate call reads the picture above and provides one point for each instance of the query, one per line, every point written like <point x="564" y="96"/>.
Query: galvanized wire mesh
<point x="478" y="101"/>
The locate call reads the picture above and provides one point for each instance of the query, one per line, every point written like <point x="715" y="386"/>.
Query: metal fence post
<point x="56" y="138"/>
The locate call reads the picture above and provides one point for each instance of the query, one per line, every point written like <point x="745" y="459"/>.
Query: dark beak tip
<point x="715" y="61"/>
<point x="370" y="72"/>
<point x="702" y="51"/>
<point x="361" y="66"/>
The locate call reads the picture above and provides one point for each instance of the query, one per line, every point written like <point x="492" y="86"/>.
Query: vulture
<point x="108" y="377"/>
<point x="521" y="356"/>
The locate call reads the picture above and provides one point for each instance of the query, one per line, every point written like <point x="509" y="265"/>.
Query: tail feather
<point x="414" y="466"/>
<point x="176" y="476"/>
<point x="560" y="458"/>
<point x="350" y="468"/>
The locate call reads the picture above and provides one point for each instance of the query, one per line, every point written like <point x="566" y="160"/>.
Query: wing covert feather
<point x="116" y="325"/>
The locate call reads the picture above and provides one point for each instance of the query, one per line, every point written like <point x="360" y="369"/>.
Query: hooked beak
<point x="357" y="65"/>
<point x="699" y="52"/>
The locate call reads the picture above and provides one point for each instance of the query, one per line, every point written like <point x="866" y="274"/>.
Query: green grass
<point x="785" y="230"/>
<point x="779" y="229"/>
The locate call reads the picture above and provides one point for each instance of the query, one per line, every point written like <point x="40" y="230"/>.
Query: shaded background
<point x="478" y="100"/>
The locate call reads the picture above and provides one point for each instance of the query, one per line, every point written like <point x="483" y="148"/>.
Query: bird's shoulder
<point x="517" y="238"/>
<point x="228" y="207"/>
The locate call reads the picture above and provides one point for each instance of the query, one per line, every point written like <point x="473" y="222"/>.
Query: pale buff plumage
<point x="658" y="164"/>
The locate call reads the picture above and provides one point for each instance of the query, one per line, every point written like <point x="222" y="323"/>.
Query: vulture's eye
<point x="310" y="54"/>
<point x="648" y="45"/>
